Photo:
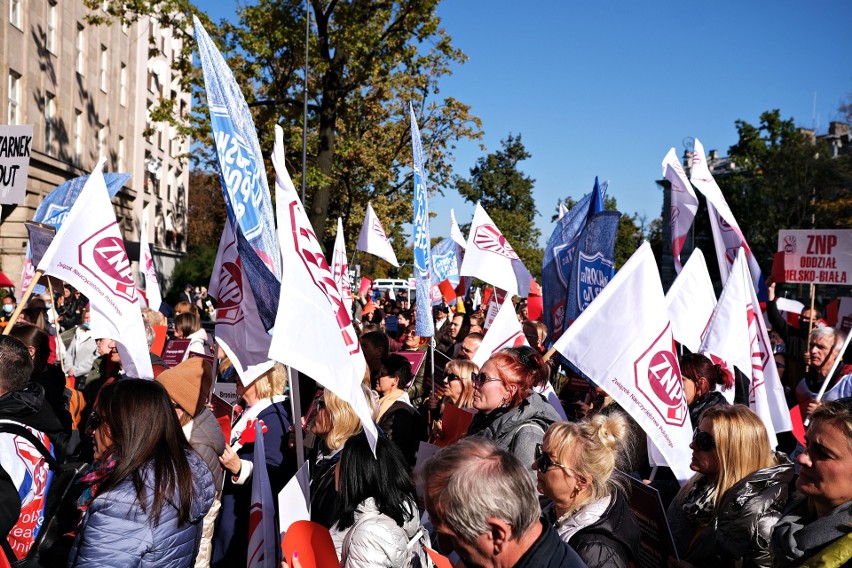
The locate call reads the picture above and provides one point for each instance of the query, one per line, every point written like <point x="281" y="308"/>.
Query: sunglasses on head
<point x="543" y="461"/>
<point x="480" y="379"/>
<point x="703" y="441"/>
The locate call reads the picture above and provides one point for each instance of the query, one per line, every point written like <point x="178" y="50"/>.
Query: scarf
<point x="387" y="401"/>
<point x="93" y="478"/>
<point x="698" y="502"/>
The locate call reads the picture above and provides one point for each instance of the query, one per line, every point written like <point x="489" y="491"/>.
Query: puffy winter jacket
<point x="376" y="540"/>
<point x="611" y="541"/>
<point x="117" y="532"/>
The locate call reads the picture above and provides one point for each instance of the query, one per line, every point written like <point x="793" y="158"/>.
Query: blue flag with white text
<point x="422" y="262"/>
<point x="593" y="265"/>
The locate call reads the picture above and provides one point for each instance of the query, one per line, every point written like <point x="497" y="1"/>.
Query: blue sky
<point x="606" y="88"/>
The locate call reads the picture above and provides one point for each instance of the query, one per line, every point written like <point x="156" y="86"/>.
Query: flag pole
<point x="811" y="324"/>
<point x="24" y="299"/>
<point x="58" y="343"/>
<point x="296" y="413"/>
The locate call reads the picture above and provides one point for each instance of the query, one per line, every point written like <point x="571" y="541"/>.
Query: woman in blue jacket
<point x="148" y="491"/>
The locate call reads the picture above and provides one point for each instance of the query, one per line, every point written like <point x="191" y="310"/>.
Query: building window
<point x="52" y="11"/>
<point x="120" y="167"/>
<point x="78" y="136"/>
<point x="15" y="13"/>
<point x="14" y="98"/>
<point x="101" y="141"/>
<point x="81" y="49"/>
<point x="122" y="85"/>
<point x="104" y="63"/>
<point x="49" y="122"/>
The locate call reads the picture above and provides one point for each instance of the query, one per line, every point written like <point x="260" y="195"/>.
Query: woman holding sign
<point x="724" y="515"/>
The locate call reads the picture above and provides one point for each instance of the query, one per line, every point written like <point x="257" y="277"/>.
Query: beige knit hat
<point x="188" y="383"/>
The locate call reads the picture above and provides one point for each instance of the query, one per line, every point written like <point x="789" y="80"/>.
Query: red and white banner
<point x="239" y="331"/>
<point x="146" y="264"/>
<point x="816" y="256"/>
<point x="690" y="302"/>
<point x="489" y="257"/>
<point x="736" y="337"/>
<point x="340" y="267"/>
<point x="456" y="232"/>
<point x="727" y="234"/>
<point x="683" y="204"/>
<point x="313" y="330"/>
<point x="88" y="252"/>
<point x="637" y="366"/>
<point x="374" y="240"/>
<point x="505" y="331"/>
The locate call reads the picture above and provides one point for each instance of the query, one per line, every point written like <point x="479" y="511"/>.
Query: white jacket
<point x="376" y="540"/>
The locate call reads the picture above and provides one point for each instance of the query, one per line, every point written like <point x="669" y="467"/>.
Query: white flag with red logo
<point x="727" y="234"/>
<point x="456" y="232"/>
<point x="505" y="331"/>
<point x="239" y="330"/>
<point x="733" y="339"/>
<point x="636" y="364"/>
<point x="146" y="263"/>
<point x="340" y="267"/>
<point x="690" y="302"/>
<point x="313" y="331"/>
<point x="373" y="239"/>
<point x="88" y="252"/>
<point x="489" y="257"/>
<point x="684" y="204"/>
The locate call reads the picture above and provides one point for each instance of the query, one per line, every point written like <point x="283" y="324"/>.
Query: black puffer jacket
<point x="612" y="541"/>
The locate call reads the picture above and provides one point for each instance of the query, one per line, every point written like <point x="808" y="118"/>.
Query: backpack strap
<point x="19" y="430"/>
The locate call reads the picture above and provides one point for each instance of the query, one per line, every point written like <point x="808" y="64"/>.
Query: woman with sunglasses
<point x="725" y="513"/>
<point x="815" y="526"/>
<point x="575" y="467"/>
<point x="455" y="389"/>
<point x="509" y="412"/>
<point x="702" y="383"/>
<point x="148" y="491"/>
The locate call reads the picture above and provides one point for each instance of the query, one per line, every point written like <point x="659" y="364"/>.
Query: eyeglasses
<point x="543" y="461"/>
<point x="480" y="379"/>
<point x="703" y="441"/>
<point x="94" y="423"/>
<point x="450" y="377"/>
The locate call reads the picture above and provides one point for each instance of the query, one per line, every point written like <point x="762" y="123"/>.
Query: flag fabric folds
<point x="88" y="252"/>
<point x="243" y="177"/>
<point x="340" y="267"/>
<point x="594" y="262"/>
<point x="445" y="262"/>
<point x="423" y="324"/>
<point x="313" y="331"/>
<point x="146" y="263"/>
<point x="489" y="257"/>
<point x="456" y="232"/>
<point x="683" y="204"/>
<point x="636" y="366"/>
<point x="263" y="534"/>
<point x="505" y="331"/>
<point x="690" y="302"/>
<point x="239" y="331"/>
<point x="373" y="239"/>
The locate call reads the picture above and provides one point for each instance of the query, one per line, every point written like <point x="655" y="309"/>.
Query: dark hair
<point x="377" y="339"/>
<point x="384" y="477"/>
<point x="32" y="336"/>
<point x="16" y="365"/>
<point x="396" y="366"/>
<point x="695" y="365"/>
<point x="145" y="433"/>
<point x="187" y="323"/>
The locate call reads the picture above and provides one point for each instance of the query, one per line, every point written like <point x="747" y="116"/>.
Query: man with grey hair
<point x="824" y="349"/>
<point x="482" y="504"/>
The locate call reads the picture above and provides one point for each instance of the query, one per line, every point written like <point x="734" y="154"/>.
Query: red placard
<point x="174" y="351"/>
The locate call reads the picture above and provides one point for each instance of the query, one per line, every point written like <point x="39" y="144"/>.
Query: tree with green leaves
<point x="505" y="193"/>
<point x="367" y="62"/>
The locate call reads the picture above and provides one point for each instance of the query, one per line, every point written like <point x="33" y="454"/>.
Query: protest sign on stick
<point x="816" y="256"/>
<point x="15" y="143"/>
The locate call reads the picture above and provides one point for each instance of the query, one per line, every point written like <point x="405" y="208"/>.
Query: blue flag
<point x="445" y="262"/>
<point x="559" y="258"/>
<point x="55" y="206"/>
<point x="243" y="177"/>
<point x="593" y="265"/>
<point x="424" y="326"/>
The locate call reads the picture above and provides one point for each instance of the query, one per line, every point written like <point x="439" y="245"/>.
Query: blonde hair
<point x="593" y="449"/>
<point x="183" y="307"/>
<point x="344" y="422"/>
<point x="463" y="369"/>
<point x="272" y="382"/>
<point x="742" y="446"/>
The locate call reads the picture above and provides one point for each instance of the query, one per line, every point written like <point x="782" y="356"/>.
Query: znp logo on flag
<point x="106" y="260"/>
<point x="658" y="378"/>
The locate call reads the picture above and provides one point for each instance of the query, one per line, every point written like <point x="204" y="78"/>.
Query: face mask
<point x="87" y="325"/>
<point x="8" y="308"/>
<point x="48" y="305"/>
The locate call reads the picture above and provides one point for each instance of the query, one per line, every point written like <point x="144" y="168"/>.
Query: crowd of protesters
<point x="514" y="484"/>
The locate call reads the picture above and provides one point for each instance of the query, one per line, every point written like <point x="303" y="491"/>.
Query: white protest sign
<point x="15" y="143"/>
<point x="816" y="256"/>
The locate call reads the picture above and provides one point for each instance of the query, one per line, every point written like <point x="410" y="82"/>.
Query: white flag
<point x="239" y="331"/>
<point x="684" y="204"/>
<point x="489" y="257"/>
<point x="146" y="263"/>
<point x="313" y="331"/>
<point x="727" y="234"/>
<point x="456" y="232"/>
<point x="562" y="211"/>
<point x="340" y="267"/>
<point x="637" y="366"/>
<point x="505" y="331"/>
<point x="690" y="302"/>
<point x="373" y="239"/>
<point x="88" y="252"/>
